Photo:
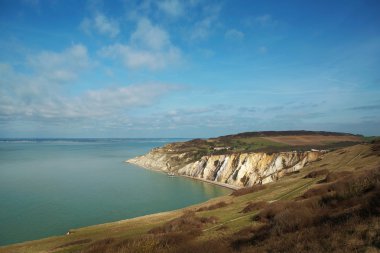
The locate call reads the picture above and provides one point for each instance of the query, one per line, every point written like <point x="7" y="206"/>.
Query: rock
<point x="240" y="169"/>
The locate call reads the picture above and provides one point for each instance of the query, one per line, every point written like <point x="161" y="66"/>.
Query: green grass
<point x="371" y="138"/>
<point x="244" y="144"/>
<point x="235" y="144"/>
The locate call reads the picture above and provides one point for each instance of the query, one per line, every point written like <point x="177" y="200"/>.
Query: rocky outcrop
<point x="239" y="169"/>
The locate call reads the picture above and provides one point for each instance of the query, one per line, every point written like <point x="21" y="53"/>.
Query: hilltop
<point x="266" y="141"/>
<point x="244" y="159"/>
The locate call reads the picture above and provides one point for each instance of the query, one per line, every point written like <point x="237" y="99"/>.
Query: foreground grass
<point x="315" y="210"/>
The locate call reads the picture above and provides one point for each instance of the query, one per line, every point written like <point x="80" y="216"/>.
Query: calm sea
<point x="50" y="186"/>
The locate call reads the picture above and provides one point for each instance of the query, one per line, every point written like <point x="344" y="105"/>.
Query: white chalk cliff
<point x="239" y="169"/>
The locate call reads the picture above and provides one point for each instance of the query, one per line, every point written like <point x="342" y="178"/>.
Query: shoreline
<point x="230" y="187"/>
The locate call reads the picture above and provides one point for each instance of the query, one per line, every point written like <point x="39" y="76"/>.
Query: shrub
<point x="317" y="173"/>
<point x="292" y="219"/>
<point x="187" y="222"/>
<point x="337" y="175"/>
<point x="247" y="190"/>
<point x="213" y="206"/>
<point x="100" y="245"/>
<point x="254" y="206"/>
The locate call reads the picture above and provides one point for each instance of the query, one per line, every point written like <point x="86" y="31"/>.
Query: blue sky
<point x="191" y="68"/>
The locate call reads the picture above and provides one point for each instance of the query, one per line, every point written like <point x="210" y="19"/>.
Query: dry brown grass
<point x="298" y="140"/>
<point x="331" y="208"/>
<point x="100" y="246"/>
<point x="244" y="191"/>
<point x="77" y="242"/>
<point x="254" y="206"/>
<point x="317" y="173"/>
<point x="340" y="214"/>
<point x="188" y="222"/>
<point x="213" y="206"/>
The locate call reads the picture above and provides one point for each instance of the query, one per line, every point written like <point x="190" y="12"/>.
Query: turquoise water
<point x="48" y="187"/>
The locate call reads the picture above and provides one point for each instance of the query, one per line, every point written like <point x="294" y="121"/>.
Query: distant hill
<point x="287" y="133"/>
<point x="269" y="141"/>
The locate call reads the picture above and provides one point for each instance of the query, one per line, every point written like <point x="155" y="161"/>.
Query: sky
<point x="190" y="68"/>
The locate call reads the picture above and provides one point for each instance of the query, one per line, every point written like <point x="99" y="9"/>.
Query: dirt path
<point x="361" y="152"/>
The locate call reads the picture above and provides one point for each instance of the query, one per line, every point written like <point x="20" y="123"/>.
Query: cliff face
<point x="242" y="169"/>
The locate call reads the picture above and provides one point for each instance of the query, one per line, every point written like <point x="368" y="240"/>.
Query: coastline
<point x="230" y="187"/>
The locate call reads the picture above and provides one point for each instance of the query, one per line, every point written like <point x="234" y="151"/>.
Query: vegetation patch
<point x="187" y="222"/>
<point x="317" y="173"/>
<point x="267" y="141"/>
<point x="350" y="201"/>
<point x="213" y="206"/>
<point x="254" y="206"/>
<point x="83" y="241"/>
<point x="336" y="175"/>
<point x="376" y="147"/>
<point x="247" y="190"/>
<point x="103" y="245"/>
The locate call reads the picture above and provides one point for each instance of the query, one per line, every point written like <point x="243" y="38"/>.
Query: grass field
<point x="318" y="140"/>
<point x="266" y="142"/>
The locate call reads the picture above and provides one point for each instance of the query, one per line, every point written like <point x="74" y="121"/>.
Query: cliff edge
<point x="246" y="159"/>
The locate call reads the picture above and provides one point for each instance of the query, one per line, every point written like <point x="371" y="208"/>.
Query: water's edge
<point x="230" y="187"/>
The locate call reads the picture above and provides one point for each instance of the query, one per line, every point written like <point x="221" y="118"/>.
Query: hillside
<point x="331" y="205"/>
<point x="244" y="159"/>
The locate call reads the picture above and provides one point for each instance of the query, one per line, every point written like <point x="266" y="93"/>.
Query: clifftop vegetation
<point x="266" y="141"/>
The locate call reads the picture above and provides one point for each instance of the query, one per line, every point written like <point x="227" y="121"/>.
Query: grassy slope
<point x="230" y="221"/>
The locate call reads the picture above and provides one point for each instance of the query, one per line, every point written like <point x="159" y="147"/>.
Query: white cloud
<point x="234" y="34"/>
<point x="106" y="26"/>
<point x="265" y="20"/>
<point x="149" y="47"/>
<point x="159" y="8"/>
<point x="39" y="91"/>
<point x="203" y="28"/>
<point x="149" y="36"/>
<point x="37" y="95"/>
<point x="263" y="50"/>
<point x="101" y="24"/>
<point x="60" y="67"/>
<point x="86" y="25"/>
<point x="114" y="98"/>
<point x="173" y="8"/>
<point x="136" y="58"/>
<point x="95" y="103"/>
<point x="32" y="97"/>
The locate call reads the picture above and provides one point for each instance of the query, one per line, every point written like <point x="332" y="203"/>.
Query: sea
<point x="49" y="186"/>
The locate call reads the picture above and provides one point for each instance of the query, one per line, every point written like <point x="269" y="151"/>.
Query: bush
<point x="334" y="176"/>
<point x="254" y="206"/>
<point x="244" y="191"/>
<point x="213" y="206"/>
<point x="187" y="222"/>
<point x="317" y="173"/>
<point x="317" y="216"/>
